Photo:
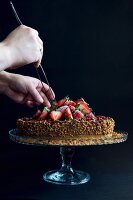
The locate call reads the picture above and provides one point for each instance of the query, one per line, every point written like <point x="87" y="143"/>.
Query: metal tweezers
<point x="20" y="23"/>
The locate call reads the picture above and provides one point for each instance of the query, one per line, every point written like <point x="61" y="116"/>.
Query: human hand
<point x="25" y="90"/>
<point x="21" y="47"/>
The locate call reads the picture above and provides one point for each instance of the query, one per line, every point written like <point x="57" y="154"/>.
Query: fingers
<point x="39" y="97"/>
<point x="47" y="90"/>
<point x="38" y="46"/>
<point x="40" y="51"/>
<point x="40" y="54"/>
<point x="20" y="98"/>
<point x="45" y="99"/>
<point x="49" y="93"/>
<point x="29" y="101"/>
<point x="36" y="95"/>
<point x="23" y="46"/>
<point x="40" y="41"/>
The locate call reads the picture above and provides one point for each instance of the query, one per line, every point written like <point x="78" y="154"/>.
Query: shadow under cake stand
<point x="67" y="175"/>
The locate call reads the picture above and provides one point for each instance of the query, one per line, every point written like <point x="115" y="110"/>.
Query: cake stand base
<point x="66" y="175"/>
<point x="66" y="178"/>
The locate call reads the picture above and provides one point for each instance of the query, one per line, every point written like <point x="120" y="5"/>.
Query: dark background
<point x="88" y="53"/>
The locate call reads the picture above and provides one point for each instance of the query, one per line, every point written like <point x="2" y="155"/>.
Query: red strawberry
<point x="68" y="113"/>
<point x="70" y="102"/>
<point x="55" y="115"/>
<point x="62" y="108"/>
<point x="37" y="114"/>
<point x="83" y="107"/>
<point x="80" y="101"/>
<point x="62" y="101"/>
<point x="78" y="114"/>
<point x="90" y="116"/>
<point x="44" y="113"/>
<point x="100" y="117"/>
<point x="72" y="108"/>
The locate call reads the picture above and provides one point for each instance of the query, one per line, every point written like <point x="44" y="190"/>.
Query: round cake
<point x="66" y="119"/>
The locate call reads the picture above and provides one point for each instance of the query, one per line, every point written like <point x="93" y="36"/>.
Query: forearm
<point x="4" y="56"/>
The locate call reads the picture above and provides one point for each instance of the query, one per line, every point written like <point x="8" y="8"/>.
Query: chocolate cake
<point x="66" y="119"/>
<point x="71" y="128"/>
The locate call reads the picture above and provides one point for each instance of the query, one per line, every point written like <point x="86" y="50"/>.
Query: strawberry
<point x="44" y="113"/>
<point x="90" y="116"/>
<point x="100" y="117"/>
<point x="70" y="102"/>
<point x="62" y="101"/>
<point x="83" y="107"/>
<point x="55" y="115"/>
<point x="68" y="113"/>
<point x="80" y="101"/>
<point x="62" y="108"/>
<point x="72" y="108"/>
<point x="78" y="114"/>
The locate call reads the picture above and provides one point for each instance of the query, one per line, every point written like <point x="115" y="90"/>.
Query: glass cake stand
<point x="67" y="175"/>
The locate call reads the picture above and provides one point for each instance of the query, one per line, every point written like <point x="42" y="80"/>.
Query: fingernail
<point x="53" y="96"/>
<point x="41" y="100"/>
<point x="48" y="104"/>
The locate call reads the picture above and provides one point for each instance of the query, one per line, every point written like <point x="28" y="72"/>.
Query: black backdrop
<point x="88" y="52"/>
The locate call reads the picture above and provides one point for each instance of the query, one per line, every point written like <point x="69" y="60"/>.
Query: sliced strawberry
<point x="70" y="102"/>
<point x="55" y="115"/>
<point x="72" y="108"/>
<point x="62" y="101"/>
<point x="78" y="114"/>
<point x="68" y="113"/>
<point x="62" y="108"/>
<point x="90" y="116"/>
<point x="83" y="107"/>
<point x="37" y="114"/>
<point x="44" y="113"/>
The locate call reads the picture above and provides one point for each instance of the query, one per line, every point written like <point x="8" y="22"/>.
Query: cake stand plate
<point x="67" y="175"/>
<point x="116" y="137"/>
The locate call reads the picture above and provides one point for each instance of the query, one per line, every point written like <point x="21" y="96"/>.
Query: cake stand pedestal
<point x="67" y="175"/>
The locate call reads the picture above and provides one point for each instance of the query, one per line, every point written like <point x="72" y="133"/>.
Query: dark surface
<point x="89" y="54"/>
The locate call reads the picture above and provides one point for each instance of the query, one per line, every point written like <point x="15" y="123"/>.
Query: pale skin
<point x="21" y="47"/>
<point x="25" y="89"/>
